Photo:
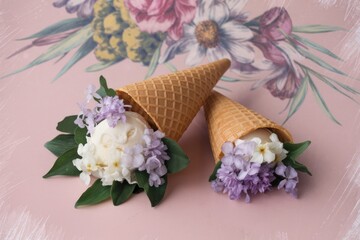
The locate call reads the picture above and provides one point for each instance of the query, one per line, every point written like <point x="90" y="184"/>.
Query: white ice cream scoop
<point x="111" y="142"/>
<point x="262" y="133"/>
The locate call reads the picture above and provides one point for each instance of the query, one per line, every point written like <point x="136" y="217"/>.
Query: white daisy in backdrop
<point x="217" y="32"/>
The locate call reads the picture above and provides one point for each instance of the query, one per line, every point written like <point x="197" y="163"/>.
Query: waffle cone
<point x="170" y="102"/>
<point x="228" y="120"/>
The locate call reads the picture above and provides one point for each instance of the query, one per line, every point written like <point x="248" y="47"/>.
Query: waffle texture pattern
<point x="229" y="120"/>
<point x="170" y="102"/>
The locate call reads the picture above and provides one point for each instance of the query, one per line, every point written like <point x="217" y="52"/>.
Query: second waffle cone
<point x="228" y="120"/>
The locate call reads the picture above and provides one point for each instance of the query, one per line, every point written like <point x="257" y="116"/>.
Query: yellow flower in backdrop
<point x="118" y="37"/>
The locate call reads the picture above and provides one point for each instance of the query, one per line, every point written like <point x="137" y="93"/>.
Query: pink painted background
<point x="31" y="105"/>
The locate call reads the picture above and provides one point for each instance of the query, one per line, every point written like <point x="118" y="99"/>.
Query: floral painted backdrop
<point x="270" y="50"/>
<point x="302" y="55"/>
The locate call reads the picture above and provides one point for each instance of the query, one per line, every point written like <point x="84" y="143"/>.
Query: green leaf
<point x="300" y="167"/>
<point x="296" y="165"/>
<point x="154" y="62"/>
<point x="104" y="90"/>
<point x="170" y="66"/>
<point x="100" y="66"/>
<point x="59" y="49"/>
<point x="296" y="149"/>
<point x="80" y="135"/>
<point x="121" y="192"/>
<point x="61" y="144"/>
<point x="84" y="50"/>
<point x="156" y="194"/>
<point x="229" y="79"/>
<point x="298" y="99"/>
<point x="329" y="83"/>
<point x="213" y="175"/>
<point x="321" y="102"/>
<point x="340" y="84"/>
<point x="93" y="195"/>
<point x="222" y="88"/>
<point x="178" y="159"/>
<point x="142" y="179"/>
<point x="319" y="61"/>
<point x="138" y="189"/>
<point x="59" y="27"/>
<point x="64" y="165"/>
<point x="315" y="46"/>
<point x="316" y="28"/>
<point x="67" y="125"/>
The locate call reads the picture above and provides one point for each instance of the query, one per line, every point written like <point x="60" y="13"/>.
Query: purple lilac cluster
<point x="83" y="8"/>
<point x="155" y="157"/>
<point x="238" y="177"/>
<point x="110" y="108"/>
<point x="290" y="178"/>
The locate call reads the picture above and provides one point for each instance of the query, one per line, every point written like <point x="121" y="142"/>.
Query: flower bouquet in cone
<point x="127" y="142"/>
<point x="252" y="154"/>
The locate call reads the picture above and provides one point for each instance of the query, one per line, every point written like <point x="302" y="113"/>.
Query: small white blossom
<point x="262" y="154"/>
<point x="269" y="151"/>
<point x="277" y="147"/>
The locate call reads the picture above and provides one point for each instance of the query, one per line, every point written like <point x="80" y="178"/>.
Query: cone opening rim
<point x="135" y="104"/>
<point x="283" y="135"/>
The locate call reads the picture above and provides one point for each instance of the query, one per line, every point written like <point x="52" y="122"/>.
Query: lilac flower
<point x="248" y="169"/>
<point x="83" y="8"/>
<point x="257" y="180"/>
<point x="217" y="186"/>
<point x="155" y="180"/>
<point x="236" y="154"/>
<point x="155" y="155"/>
<point x="86" y="118"/>
<point x="91" y="93"/>
<point x="154" y="145"/>
<point x="290" y="178"/>
<point x="237" y="176"/>
<point x="112" y="109"/>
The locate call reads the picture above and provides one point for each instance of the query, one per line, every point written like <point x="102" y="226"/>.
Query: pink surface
<point x="31" y="105"/>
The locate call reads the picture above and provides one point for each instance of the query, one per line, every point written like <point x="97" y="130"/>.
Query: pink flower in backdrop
<point x="269" y="50"/>
<point x="286" y="76"/>
<point x="162" y="15"/>
<point x="275" y="22"/>
<point x="285" y="85"/>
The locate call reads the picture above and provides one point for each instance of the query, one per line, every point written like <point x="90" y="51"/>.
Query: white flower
<point x="112" y="173"/>
<point x="269" y="151"/>
<point x="262" y="154"/>
<point x="277" y="147"/>
<point x="85" y="177"/>
<point x="87" y="164"/>
<point x="112" y="154"/>
<point x="216" y="32"/>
